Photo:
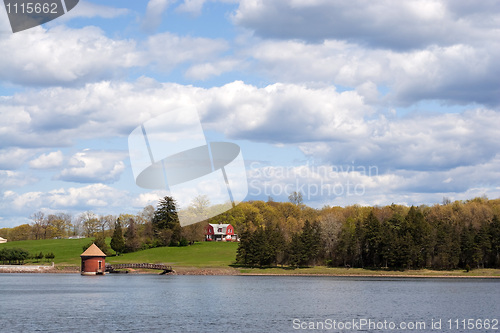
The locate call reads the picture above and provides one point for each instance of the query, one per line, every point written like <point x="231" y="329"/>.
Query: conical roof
<point x="93" y="251"/>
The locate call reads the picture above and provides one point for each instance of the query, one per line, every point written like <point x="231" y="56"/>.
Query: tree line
<point x="450" y="235"/>
<point x="460" y="234"/>
<point x="154" y="228"/>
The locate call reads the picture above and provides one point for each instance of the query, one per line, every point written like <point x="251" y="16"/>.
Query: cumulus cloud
<point x="149" y="198"/>
<point x="13" y="157"/>
<point x="431" y="142"/>
<point x="94" y="167"/>
<point x="458" y="74"/>
<point x="101" y="199"/>
<point x="357" y="184"/>
<point x="63" y="55"/>
<point x="56" y="117"/>
<point x="417" y="153"/>
<point x="207" y="70"/>
<point x="11" y="179"/>
<point x="420" y="23"/>
<point x="154" y="12"/>
<point x="284" y="113"/>
<point x="82" y="198"/>
<point x="47" y="161"/>
<point x="67" y="56"/>
<point x="167" y="50"/>
<point x="191" y="6"/>
<point x="323" y="122"/>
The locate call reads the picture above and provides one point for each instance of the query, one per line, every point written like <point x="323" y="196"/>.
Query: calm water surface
<point x="151" y="303"/>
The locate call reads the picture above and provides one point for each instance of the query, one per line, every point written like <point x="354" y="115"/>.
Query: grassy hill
<point x="205" y="254"/>
<point x="67" y="253"/>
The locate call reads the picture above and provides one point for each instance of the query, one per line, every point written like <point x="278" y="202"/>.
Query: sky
<point x="348" y="102"/>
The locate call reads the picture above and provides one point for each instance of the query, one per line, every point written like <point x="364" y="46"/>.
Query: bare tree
<point x="38" y="224"/>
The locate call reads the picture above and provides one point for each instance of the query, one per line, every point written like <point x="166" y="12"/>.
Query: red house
<point x="93" y="261"/>
<point x="220" y="232"/>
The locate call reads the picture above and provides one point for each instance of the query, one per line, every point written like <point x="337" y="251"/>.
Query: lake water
<point x="153" y="303"/>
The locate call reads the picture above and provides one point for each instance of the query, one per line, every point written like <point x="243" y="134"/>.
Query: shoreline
<point x="230" y="271"/>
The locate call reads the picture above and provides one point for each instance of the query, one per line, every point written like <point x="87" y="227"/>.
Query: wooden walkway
<point x="110" y="268"/>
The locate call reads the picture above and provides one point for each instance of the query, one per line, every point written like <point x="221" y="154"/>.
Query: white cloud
<point x="149" y="198"/>
<point x="76" y="56"/>
<point x="63" y="55"/>
<point x="358" y="184"/>
<point x="457" y="74"/>
<point x="47" y="161"/>
<point x="11" y="179"/>
<point x="94" y="167"/>
<point x="56" y="117"/>
<point x="430" y="142"/>
<point x="168" y="50"/>
<point x="13" y="158"/>
<point x="191" y="6"/>
<point x="388" y="24"/>
<point x="433" y="153"/>
<point x="284" y="113"/>
<point x="207" y="70"/>
<point x="337" y="126"/>
<point x="81" y="198"/>
<point x="154" y="12"/>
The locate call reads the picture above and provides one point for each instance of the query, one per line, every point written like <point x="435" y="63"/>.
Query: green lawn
<point x="67" y="253"/>
<point x="205" y="254"/>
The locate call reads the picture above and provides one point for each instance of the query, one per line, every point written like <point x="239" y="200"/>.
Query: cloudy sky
<point x="369" y="102"/>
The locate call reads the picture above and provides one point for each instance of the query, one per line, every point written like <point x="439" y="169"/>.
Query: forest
<point x="460" y="234"/>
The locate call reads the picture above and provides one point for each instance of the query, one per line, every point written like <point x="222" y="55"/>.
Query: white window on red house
<point x="219" y="230"/>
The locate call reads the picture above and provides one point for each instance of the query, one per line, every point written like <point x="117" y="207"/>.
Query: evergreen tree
<point x="117" y="241"/>
<point x="468" y="247"/>
<point x="165" y="218"/>
<point x="347" y="244"/>
<point x="132" y="241"/>
<point x="310" y="239"/>
<point x="483" y="246"/>
<point x="372" y="240"/>
<point x="277" y="244"/>
<point x="244" y="255"/>
<point x="495" y="242"/>
<point x="296" y="251"/>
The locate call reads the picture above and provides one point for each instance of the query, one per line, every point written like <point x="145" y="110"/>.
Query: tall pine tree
<point x="166" y="222"/>
<point x="117" y="241"/>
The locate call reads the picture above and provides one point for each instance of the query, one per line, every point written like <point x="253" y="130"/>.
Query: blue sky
<point x="346" y="101"/>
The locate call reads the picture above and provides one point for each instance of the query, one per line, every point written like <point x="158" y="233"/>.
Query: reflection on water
<point x="151" y="303"/>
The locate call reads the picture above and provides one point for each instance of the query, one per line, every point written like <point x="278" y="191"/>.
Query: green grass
<point x="205" y="254"/>
<point x="67" y="251"/>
